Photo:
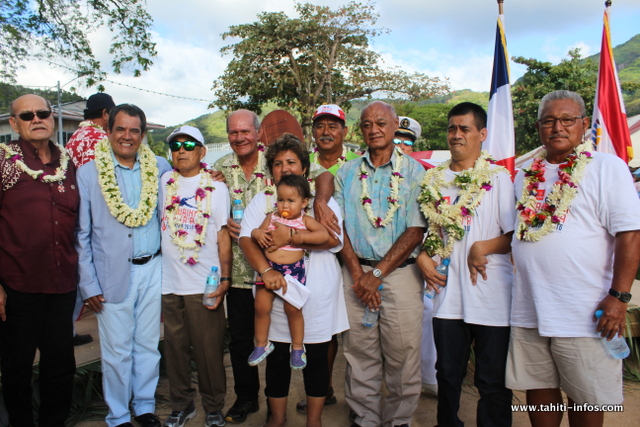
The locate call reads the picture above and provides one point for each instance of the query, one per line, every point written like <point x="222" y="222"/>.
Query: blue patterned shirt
<point x="368" y="241"/>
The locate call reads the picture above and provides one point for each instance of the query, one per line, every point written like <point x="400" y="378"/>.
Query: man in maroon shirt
<point x="38" y="265"/>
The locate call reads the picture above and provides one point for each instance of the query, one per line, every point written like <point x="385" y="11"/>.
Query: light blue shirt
<point x="146" y="238"/>
<point x="368" y="241"/>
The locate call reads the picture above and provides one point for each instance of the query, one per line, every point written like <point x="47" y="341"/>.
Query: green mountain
<point x="627" y="56"/>
<point x="10" y="92"/>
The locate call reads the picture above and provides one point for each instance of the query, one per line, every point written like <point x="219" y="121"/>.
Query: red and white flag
<point x="609" y="129"/>
<point x="501" y="141"/>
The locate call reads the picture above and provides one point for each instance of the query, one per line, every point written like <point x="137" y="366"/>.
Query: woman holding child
<point x="324" y="312"/>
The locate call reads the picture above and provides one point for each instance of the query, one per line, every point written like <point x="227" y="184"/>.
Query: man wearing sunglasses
<point x="195" y="210"/>
<point x="118" y="242"/>
<point x="408" y="131"/>
<point x="38" y="265"/>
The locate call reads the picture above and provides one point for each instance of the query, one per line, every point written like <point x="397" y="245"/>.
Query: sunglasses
<point x="398" y="141"/>
<point x="28" y="116"/>
<point x="188" y="145"/>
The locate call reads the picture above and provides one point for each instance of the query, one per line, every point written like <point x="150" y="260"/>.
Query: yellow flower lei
<point x="396" y="179"/>
<point x="112" y="194"/>
<point x="39" y="175"/>
<point x="447" y="218"/>
<point x="203" y="212"/>
<point x="259" y="172"/>
<point x="558" y="200"/>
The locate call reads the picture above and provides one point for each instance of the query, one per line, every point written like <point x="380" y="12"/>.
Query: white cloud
<point x="445" y="39"/>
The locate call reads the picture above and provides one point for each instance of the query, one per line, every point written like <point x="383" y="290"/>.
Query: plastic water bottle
<point x="213" y="279"/>
<point x="617" y="347"/>
<point x="370" y="317"/>
<point x="237" y="211"/>
<point x="443" y="269"/>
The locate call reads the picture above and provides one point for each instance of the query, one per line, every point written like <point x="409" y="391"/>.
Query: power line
<point x="133" y="87"/>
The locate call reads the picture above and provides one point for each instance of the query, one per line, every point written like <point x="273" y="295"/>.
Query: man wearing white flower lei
<point x="118" y="242"/>
<point x="576" y="250"/>
<point x="38" y="265"/>
<point x="468" y="202"/>
<point x="194" y="238"/>
<point x="247" y="176"/>
<point x="378" y="194"/>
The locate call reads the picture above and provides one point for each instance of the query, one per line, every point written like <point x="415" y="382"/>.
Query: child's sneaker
<point x="260" y="353"/>
<point x="298" y="359"/>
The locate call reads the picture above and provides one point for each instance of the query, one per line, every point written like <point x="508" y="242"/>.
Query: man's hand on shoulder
<point x="325" y="216"/>
<point x="218" y="176"/>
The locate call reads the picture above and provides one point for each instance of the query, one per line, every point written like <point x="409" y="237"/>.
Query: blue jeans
<point x="453" y="338"/>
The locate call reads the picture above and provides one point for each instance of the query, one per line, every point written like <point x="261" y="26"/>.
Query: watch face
<point x="625" y="297"/>
<point x="377" y="273"/>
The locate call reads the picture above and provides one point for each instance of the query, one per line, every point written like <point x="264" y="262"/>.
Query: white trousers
<point x="428" y="349"/>
<point x="129" y="336"/>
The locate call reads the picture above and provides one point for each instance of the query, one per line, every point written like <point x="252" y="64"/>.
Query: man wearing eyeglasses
<point x="576" y="250"/>
<point x="408" y="132"/>
<point x="118" y="242"/>
<point x="194" y="211"/>
<point x="38" y="265"/>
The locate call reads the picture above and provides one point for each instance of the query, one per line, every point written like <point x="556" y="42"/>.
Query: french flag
<point x="609" y="129"/>
<point x="501" y="141"/>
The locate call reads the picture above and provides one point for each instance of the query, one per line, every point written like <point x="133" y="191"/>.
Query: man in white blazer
<point x="118" y="242"/>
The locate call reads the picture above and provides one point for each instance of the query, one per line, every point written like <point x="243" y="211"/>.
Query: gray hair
<point x="559" y="95"/>
<point x="256" y="120"/>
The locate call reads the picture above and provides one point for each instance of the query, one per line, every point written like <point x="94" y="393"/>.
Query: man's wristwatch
<point x="622" y="296"/>
<point x="377" y="273"/>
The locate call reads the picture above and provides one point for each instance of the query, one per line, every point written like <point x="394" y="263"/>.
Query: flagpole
<point x="500" y="11"/>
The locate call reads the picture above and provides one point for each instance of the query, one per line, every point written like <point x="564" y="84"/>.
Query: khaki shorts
<point x="580" y="366"/>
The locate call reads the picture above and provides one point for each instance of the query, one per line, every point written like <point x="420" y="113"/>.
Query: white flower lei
<point x="87" y="123"/>
<point x="558" y="200"/>
<point x="447" y="218"/>
<point x="235" y="189"/>
<point x="396" y="179"/>
<point x="203" y="212"/>
<point x="112" y="194"/>
<point x="40" y="175"/>
<point x="341" y="160"/>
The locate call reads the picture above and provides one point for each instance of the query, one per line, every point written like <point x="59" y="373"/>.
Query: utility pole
<point x="61" y="140"/>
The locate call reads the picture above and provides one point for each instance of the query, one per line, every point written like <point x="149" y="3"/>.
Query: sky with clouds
<point x="452" y="39"/>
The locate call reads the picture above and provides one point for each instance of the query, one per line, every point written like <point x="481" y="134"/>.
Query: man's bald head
<point x="35" y="129"/>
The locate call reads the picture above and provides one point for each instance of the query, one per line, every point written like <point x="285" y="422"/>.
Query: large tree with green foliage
<point x="50" y="29"/>
<point x="572" y="74"/>
<point x="322" y="56"/>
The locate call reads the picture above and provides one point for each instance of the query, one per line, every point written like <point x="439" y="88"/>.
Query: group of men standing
<point x="572" y="221"/>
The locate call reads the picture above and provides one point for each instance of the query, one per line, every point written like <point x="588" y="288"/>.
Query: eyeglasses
<point x="564" y="121"/>
<point x="188" y="145"/>
<point x="28" y="116"/>
<point x="398" y="141"/>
